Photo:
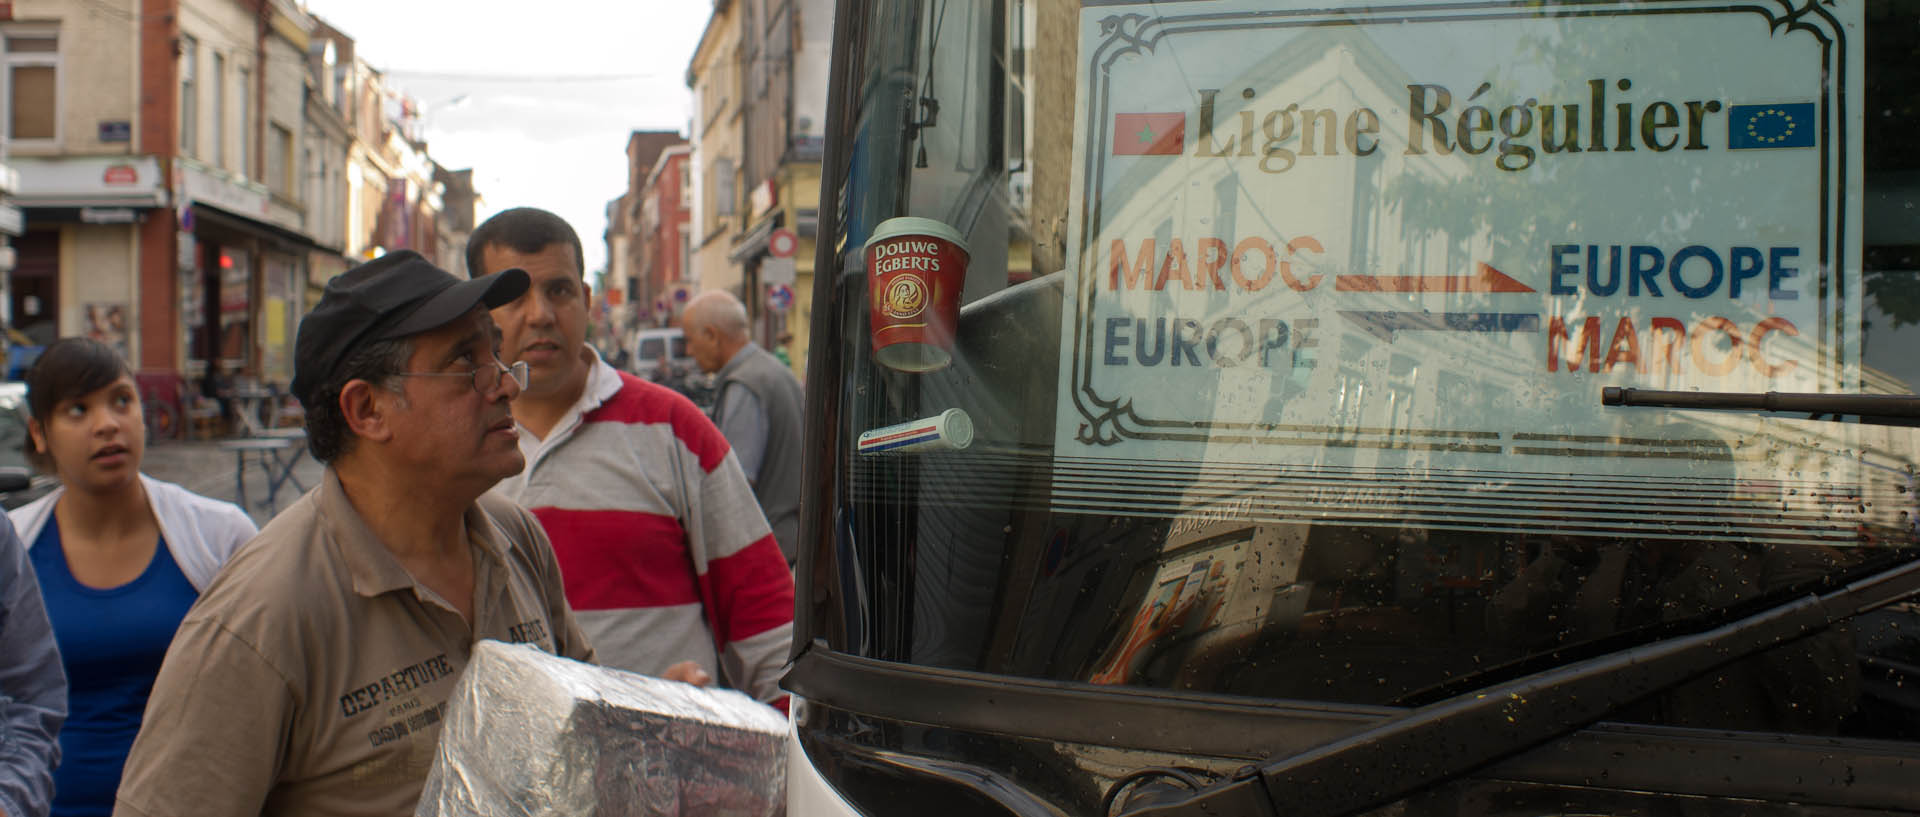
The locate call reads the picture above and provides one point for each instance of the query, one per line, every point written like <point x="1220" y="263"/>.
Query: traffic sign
<point x="782" y="243"/>
<point x="780" y="297"/>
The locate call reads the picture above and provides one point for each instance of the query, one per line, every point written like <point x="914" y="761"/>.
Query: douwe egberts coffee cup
<point x="915" y="269"/>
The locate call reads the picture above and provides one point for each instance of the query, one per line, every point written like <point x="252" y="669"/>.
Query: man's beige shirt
<point x="312" y="676"/>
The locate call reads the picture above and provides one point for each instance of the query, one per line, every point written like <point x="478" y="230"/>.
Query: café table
<point x="254" y="407"/>
<point x="275" y="452"/>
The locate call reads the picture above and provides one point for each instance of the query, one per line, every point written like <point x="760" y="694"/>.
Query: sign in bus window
<point x="1386" y="260"/>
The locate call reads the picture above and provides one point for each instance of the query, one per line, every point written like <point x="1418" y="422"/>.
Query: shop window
<point x="233" y="282"/>
<point x="35" y="286"/>
<point x="33" y="83"/>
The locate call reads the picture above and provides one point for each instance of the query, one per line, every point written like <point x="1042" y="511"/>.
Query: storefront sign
<point x="87" y="181"/>
<point x="1427" y="237"/>
<point x="201" y="185"/>
<point x="108" y="215"/>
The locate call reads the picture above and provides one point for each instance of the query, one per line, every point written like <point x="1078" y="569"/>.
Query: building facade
<point x="650" y="262"/>
<point x="664" y="235"/>
<point x="328" y="141"/>
<point x="718" y="121"/>
<point x="185" y="179"/>
<point x="758" y="137"/>
<point x="88" y="186"/>
<point x="630" y="296"/>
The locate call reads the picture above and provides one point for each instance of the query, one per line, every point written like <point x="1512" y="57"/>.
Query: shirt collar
<point x="369" y="562"/>
<point x="603" y="382"/>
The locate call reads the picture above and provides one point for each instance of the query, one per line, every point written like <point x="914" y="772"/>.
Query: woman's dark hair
<point x="69" y="369"/>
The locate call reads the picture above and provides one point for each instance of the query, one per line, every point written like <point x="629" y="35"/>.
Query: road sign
<point x="780" y="297"/>
<point x="782" y="243"/>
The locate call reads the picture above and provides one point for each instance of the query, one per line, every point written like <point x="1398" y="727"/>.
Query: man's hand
<point x="688" y="672"/>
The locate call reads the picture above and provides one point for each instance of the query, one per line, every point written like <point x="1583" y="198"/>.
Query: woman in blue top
<point x="120" y="558"/>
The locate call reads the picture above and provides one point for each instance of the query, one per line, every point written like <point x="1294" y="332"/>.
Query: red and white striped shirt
<point x="663" y="550"/>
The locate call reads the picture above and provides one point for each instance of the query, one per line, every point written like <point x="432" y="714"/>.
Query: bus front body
<point x="1272" y="406"/>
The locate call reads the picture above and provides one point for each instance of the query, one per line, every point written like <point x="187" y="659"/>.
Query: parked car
<point x="660" y="355"/>
<point x="20" y="481"/>
<point x="653" y="346"/>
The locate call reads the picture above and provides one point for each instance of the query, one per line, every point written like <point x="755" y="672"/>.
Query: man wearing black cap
<point x="312" y="676"/>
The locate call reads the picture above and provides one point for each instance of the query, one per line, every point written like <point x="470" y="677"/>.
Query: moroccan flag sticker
<point x="1149" y="134"/>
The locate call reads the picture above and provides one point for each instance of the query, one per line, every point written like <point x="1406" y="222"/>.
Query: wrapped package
<point x="528" y="733"/>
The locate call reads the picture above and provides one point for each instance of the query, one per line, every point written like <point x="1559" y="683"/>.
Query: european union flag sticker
<point x="1751" y="127"/>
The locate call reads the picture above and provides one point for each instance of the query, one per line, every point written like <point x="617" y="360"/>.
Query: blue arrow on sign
<point x="1382" y="325"/>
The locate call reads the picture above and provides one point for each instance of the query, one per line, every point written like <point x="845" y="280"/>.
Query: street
<point x="205" y="468"/>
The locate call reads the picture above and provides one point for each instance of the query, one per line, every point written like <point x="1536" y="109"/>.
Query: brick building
<point x="191" y="171"/>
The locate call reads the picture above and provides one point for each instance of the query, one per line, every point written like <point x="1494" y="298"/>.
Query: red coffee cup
<point x="915" y="269"/>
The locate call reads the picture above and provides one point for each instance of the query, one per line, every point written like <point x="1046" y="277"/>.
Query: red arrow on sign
<point x="1484" y="279"/>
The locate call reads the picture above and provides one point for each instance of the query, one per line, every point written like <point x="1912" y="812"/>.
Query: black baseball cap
<point x="393" y="296"/>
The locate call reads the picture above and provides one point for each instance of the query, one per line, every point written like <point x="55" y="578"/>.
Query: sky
<point x="536" y="98"/>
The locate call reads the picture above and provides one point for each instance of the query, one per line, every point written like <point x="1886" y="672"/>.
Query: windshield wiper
<point x="1873" y="409"/>
<point x="1450" y="738"/>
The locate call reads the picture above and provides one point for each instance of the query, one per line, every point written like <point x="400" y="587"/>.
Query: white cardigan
<point x="200" y="532"/>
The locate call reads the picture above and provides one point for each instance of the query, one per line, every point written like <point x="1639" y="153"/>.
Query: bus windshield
<point x="1256" y="348"/>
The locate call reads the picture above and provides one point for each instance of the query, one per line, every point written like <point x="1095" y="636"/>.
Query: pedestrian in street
<point x="757" y="404"/>
<point x="120" y="557"/>
<point x="312" y="676"/>
<point x="666" y="555"/>
<point x="33" y="688"/>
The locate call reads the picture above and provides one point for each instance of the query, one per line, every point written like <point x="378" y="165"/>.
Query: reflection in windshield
<point x="1284" y="366"/>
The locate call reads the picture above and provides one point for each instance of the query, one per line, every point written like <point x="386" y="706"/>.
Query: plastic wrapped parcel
<point x="528" y="733"/>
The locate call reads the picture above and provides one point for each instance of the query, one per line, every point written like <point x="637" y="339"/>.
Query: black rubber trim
<point x="1074" y="713"/>
<point x="1759" y="766"/>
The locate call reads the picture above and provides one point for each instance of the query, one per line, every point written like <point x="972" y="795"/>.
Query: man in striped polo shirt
<point x="665" y="555"/>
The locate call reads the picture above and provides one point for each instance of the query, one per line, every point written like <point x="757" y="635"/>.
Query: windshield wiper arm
<point x="1875" y="409"/>
<point x="1450" y="738"/>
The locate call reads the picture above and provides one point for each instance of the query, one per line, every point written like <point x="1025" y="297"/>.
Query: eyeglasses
<point x="485" y="378"/>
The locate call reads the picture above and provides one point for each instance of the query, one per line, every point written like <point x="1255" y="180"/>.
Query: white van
<point x="652" y="346"/>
